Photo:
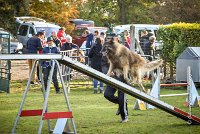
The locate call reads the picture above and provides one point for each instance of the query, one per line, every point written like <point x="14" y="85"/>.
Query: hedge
<point x="176" y="37"/>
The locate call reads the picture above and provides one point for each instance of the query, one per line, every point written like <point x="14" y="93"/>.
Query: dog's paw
<point x="109" y="74"/>
<point x="128" y="80"/>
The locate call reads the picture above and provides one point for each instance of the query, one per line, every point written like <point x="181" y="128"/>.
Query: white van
<point x="138" y="29"/>
<point x="29" y="28"/>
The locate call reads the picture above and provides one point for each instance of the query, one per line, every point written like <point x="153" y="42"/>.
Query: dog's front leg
<point x="141" y="87"/>
<point x="110" y="69"/>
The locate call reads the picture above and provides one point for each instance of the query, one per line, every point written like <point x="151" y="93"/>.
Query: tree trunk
<point x="122" y="11"/>
<point x="171" y="72"/>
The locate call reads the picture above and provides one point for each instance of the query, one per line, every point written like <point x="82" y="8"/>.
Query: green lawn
<point x="93" y="114"/>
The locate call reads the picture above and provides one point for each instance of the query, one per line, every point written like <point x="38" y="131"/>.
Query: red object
<point x="187" y="114"/>
<point x="56" y="115"/>
<point x="61" y="34"/>
<point x="31" y="113"/>
<point x="174" y="84"/>
<point x="63" y="41"/>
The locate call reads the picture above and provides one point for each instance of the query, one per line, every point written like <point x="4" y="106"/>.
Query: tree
<point x="57" y="11"/>
<point x="170" y="11"/>
<point x="101" y="11"/>
<point x="117" y="11"/>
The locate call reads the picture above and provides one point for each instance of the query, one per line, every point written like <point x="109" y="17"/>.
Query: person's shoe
<point x="32" y="82"/>
<point x="58" y="92"/>
<point x="101" y="91"/>
<point x="118" y="112"/>
<point x="95" y="91"/>
<point x="124" y="120"/>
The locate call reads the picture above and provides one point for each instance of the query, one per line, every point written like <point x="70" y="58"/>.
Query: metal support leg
<point x="189" y="88"/>
<point x="66" y="97"/>
<point x="46" y="96"/>
<point x="69" y="79"/>
<point x="43" y="92"/>
<point x="24" y="96"/>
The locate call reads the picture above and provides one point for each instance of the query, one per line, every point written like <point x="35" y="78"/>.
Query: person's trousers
<point x="46" y="72"/>
<point x="109" y="94"/>
<point x="30" y="63"/>
<point x="95" y="84"/>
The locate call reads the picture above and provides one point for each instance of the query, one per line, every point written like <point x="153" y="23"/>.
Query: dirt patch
<point x="19" y="70"/>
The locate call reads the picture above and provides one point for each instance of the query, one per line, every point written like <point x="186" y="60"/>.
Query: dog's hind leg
<point x="139" y="79"/>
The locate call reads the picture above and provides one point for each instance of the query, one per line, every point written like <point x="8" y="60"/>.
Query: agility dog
<point x="130" y="64"/>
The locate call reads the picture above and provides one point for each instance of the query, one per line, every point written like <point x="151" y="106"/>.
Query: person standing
<point x="89" y="42"/>
<point x="95" y="56"/>
<point x="102" y="37"/>
<point x="127" y="39"/>
<point x="96" y="35"/>
<point x="144" y="42"/>
<point x="34" y="44"/>
<point x="152" y="45"/>
<point x="68" y="45"/>
<point x="62" y="35"/>
<point x="109" y="93"/>
<point x="50" y="48"/>
<point x="56" y="40"/>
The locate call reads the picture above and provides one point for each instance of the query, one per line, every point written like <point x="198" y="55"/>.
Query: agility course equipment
<point x="193" y="98"/>
<point x="62" y="124"/>
<point x="191" y="119"/>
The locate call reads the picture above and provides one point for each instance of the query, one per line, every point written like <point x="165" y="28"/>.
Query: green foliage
<point x="6" y="15"/>
<point x="170" y="11"/>
<point x="101" y="11"/>
<point x="117" y="11"/>
<point x="176" y="38"/>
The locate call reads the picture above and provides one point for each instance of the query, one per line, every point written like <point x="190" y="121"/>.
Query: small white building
<point x="189" y="57"/>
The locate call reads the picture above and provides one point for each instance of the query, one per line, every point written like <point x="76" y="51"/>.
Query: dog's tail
<point x="153" y="65"/>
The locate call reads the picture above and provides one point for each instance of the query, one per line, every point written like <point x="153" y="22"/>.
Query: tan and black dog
<point x="130" y="64"/>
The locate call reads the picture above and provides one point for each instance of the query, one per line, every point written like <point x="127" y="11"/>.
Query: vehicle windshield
<point x="79" y="32"/>
<point x="48" y="30"/>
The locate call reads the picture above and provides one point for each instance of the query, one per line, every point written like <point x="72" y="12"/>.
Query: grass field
<point x="93" y="114"/>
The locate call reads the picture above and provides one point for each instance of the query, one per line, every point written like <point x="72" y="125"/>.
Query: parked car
<point x="28" y="28"/>
<point x="23" y="19"/>
<point x="15" y="45"/>
<point x="77" y="33"/>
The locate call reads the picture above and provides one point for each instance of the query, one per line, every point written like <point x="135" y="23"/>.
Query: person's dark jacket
<point x="49" y="50"/>
<point x="95" y="56"/>
<point x="89" y="40"/>
<point x="145" y="44"/>
<point x="68" y="46"/>
<point x="57" y="42"/>
<point x="34" y="44"/>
